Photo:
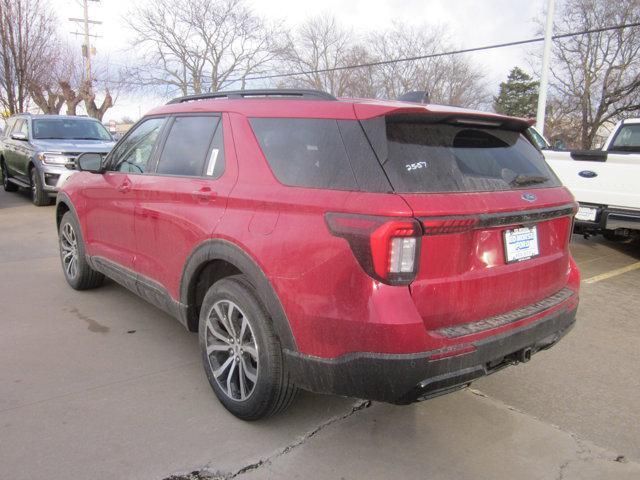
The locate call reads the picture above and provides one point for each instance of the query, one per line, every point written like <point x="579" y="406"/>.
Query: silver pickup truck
<point x="605" y="182"/>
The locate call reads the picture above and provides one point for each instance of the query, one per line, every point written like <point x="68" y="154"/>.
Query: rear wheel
<point x="75" y="267"/>
<point x="241" y="354"/>
<point x="6" y="184"/>
<point x="39" y="197"/>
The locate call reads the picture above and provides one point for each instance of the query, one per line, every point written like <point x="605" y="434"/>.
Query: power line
<point x="410" y="59"/>
<point x="439" y="54"/>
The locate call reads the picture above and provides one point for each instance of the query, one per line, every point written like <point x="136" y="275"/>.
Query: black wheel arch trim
<point x="63" y="198"/>
<point x="219" y="249"/>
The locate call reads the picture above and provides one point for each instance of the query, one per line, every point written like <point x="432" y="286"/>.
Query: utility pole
<point x="87" y="50"/>
<point x="544" y="76"/>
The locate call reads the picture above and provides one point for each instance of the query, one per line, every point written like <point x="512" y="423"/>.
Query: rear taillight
<point x="386" y="248"/>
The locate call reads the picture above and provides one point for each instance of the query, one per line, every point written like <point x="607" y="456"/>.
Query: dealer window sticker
<point x="415" y="166"/>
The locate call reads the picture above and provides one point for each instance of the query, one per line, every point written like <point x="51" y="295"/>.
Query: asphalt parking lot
<point x="102" y="385"/>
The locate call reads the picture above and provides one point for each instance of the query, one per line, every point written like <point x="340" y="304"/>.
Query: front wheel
<point x="75" y="267"/>
<point x="39" y="197"/>
<point x="241" y="354"/>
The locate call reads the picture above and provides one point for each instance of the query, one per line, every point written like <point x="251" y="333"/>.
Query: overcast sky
<point x="470" y="23"/>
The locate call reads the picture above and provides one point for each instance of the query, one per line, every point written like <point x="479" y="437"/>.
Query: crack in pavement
<point x="204" y="475"/>
<point x="584" y="449"/>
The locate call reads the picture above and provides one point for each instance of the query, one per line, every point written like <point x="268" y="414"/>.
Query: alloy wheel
<point x="232" y="350"/>
<point x="69" y="250"/>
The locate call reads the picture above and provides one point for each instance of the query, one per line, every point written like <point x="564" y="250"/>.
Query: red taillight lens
<point x="387" y="248"/>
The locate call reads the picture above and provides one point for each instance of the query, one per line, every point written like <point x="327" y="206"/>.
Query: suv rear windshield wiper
<point x="528" y="179"/>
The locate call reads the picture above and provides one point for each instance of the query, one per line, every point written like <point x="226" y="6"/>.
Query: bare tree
<point x="198" y="46"/>
<point x="448" y="79"/>
<point x="27" y="36"/>
<point x="321" y="43"/>
<point x="596" y="77"/>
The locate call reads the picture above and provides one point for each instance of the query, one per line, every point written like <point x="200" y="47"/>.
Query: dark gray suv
<point x="35" y="150"/>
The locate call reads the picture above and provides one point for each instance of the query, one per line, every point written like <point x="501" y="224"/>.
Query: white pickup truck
<point x="605" y="182"/>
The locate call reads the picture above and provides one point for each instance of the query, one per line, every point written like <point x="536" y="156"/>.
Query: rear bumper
<point x="609" y="218"/>
<point x="412" y="377"/>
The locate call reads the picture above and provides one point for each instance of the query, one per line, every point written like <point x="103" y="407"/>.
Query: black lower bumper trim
<point x="413" y="377"/>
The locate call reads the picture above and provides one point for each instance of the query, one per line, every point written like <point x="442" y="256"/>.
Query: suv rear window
<point x="440" y="157"/>
<point x="305" y="152"/>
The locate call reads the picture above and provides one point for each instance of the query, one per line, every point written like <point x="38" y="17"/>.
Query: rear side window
<point x="187" y="146"/>
<point x="305" y="152"/>
<point x="439" y="157"/>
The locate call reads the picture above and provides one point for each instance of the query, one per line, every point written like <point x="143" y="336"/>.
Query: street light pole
<point x="544" y="76"/>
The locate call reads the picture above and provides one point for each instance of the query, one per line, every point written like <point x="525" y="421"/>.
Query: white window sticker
<point x="415" y="166"/>
<point x="212" y="162"/>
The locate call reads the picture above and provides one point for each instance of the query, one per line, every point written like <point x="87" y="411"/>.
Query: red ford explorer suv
<point x="378" y="249"/>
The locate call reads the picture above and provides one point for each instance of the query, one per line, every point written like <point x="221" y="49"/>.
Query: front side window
<point x="627" y="139"/>
<point x="69" y="129"/>
<point x="22" y="126"/>
<point x="305" y="152"/>
<point x="10" y="124"/>
<point x="187" y="146"/>
<point x="133" y="153"/>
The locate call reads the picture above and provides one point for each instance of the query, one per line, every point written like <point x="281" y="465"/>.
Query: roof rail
<point x="272" y="92"/>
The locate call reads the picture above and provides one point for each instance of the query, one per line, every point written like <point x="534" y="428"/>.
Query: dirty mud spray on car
<point x="382" y="250"/>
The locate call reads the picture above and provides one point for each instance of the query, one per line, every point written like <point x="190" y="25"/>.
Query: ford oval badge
<point x="587" y="174"/>
<point x="529" y="197"/>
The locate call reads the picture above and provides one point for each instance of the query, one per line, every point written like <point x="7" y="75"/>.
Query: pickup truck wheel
<point x="241" y="354"/>
<point x="39" y="197"/>
<point x="75" y="267"/>
<point x="6" y="184"/>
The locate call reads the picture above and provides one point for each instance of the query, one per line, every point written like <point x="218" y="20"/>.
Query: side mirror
<point x="20" y="136"/>
<point x="90" y="162"/>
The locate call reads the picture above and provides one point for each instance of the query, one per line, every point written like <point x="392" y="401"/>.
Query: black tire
<point x="82" y="277"/>
<point x="273" y="391"/>
<point x="39" y="197"/>
<point x="6" y="184"/>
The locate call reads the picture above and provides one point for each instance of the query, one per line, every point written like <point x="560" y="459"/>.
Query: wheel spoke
<point x="223" y="320"/>
<point x="241" y="381"/>
<point x="66" y="236"/>
<point x="223" y="367"/>
<point x="230" y="378"/>
<point x="218" y="347"/>
<point x="249" y="372"/>
<point x="217" y="334"/>
<point x="230" y="311"/>
<point x="243" y="328"/>
<point x="251" y="350"/>
<point x="70" y="268"/>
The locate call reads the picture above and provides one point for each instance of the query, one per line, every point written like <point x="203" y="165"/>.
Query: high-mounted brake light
<point x="387" y="248"/>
